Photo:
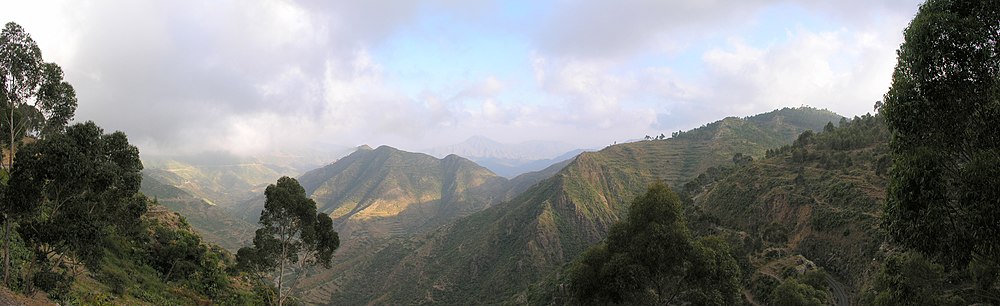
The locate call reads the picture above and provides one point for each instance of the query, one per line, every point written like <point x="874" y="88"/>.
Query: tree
<point x="907" y="279"/>
<point x="651" y="258"/>
<point x="34" y="100"/>
<point x="793" y="292"/>
<point x="71" y="190"/>
<point x="942" y="110"/>
<point x="292" y="233"/>
<point x="741" y="160"/>
<point x="828" y="128"/>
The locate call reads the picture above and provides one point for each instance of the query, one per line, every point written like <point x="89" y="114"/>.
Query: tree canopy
<point x="292" y="233"/>
<point x="651" y="258"/>
<point x="71" y="189"/>
<point x="34" y="98"/>
<point x="942" y="110"/>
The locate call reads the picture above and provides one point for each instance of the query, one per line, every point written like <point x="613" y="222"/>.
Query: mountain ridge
<point x="553" y="221"/>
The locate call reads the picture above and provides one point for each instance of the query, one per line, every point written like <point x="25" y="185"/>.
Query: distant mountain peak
<point x="480" y="139"/>
<point x="364" y="147"/>
<point x="478" y="147"/>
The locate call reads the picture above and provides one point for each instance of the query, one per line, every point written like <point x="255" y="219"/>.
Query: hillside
<point x="169" y="265"/>
<point x="383" y="192"/>
<point x="219" y="180"/>
<point x="819" y="198"/>
<point x="172" y="265"/>
<point x="378" y="196"/>
<point x="214" y="223"/>
<point x="496" y="255"/>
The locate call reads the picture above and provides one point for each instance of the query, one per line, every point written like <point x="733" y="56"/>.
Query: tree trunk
<point x="6" y="253"/>
<point x="166" y="277"/>
<point x="6" y="221"/>
<point x="281" y="270"/>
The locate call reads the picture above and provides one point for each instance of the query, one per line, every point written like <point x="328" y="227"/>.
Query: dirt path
<point x="840" y="296"/>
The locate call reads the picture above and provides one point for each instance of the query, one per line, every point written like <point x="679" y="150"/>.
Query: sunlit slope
<point x="498" y="254"/>
<point x="386" y="192"/>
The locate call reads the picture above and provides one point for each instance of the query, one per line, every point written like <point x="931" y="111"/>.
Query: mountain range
<point x="498" y="255"/>
<point x="422" y="229"/>
<point x="509" y="160"/>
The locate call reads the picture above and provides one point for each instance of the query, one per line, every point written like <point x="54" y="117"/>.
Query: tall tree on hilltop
<point x="292" y="233"/>
<point x="34" y="101"/>
<point x="943" y="110"/>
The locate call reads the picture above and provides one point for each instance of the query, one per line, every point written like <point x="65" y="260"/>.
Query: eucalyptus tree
<point x="293" y="233"/>
<point x="34" y="101"/>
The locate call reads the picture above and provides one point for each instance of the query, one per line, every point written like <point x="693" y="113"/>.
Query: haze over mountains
<point x="500" y="254"/>
<point x="421" y="229"/>
<point x="509" y="160"/>
<point x="424" y="229"/>
<point x="319" y="153"/>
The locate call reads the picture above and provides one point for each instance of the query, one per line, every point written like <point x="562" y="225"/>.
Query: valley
<point x="420" y="229"/>
<point x="521" y="153"/>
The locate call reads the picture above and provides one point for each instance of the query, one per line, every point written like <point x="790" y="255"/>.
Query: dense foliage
<point x="72" y="190"/>
<point x="943" y="109"/>
<point x="650" y="258"/>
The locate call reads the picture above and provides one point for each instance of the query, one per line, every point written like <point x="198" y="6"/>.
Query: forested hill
<point x="815" y="201"/>
<point x="498" y="254"/>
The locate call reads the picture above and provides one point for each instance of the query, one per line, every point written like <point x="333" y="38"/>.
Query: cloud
<point x="844" y="71"/>
<point x="260" y="75"/>
<point x="620" y="28"/>
<point x="193" y="75"/>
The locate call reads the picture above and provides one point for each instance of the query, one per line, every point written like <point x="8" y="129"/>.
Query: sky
<point x="258" y="76"/>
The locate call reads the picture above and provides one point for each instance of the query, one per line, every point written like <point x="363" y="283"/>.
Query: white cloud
<point x="843" y="71"/>
<point x="249" y="76"/>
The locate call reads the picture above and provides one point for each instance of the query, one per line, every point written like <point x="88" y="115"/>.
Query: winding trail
<point x="840" y="297"/>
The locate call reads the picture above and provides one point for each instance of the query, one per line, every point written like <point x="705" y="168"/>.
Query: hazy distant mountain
<point x="225" y="179"/>
<point x="510" y="168"/>
<point x="499" y="254"/>
<point x="220" y="179"/>
<point x="215" y="224"/>
<point x="482" y="147"/>
<point x="305" y="159"/>
<point x="509" y="160"/>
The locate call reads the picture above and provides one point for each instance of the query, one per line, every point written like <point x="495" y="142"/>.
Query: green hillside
<point x="819" y="198"/>
<point x="214" y="223"/>
<point x="498" y="254"/>
<point x="170" y="266"/>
